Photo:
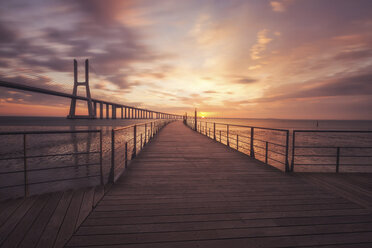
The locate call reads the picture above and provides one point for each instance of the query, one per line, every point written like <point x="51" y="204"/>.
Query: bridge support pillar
<point x="107" y="111"/>
<point x="72" y="114"/>
<point x="113" y="111"/>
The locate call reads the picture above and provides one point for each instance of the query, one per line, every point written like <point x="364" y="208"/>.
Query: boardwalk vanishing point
<point x="186" y="190"/>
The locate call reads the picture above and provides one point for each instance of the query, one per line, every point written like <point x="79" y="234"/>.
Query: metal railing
<point x="127" y="142"/>
<point x="268" y="145"/>
<point x="322" y="149"/>
<point x="44" y="160"/>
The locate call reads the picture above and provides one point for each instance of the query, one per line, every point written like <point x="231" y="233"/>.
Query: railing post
<point x="338" y="160"/>
<point x="145" y="133"/>
<point x="237" y="142"/>
<point x="135" y="141"/>
<point x="220" y="136"/>
<point x="266" y="151"/>
<point x="112" y="171"/>
<point x="25" y="165"/>
<point x="214" y="130"/>
<point x="126" y="154"/>
<point x="196" y="114"/>
<point x="286" y="152"/>
<point x="141" y="142"/>
<point x="152" y="135"/>
<point x="100" y="156"/>
<point x="252" y="140"/>
<point x="293" y="150"/>
<point x="227" y="135"/>
<point x="206" y="128"/>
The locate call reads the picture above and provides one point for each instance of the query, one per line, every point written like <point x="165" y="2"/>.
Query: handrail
<point x="231" y="139"/>
<point x="49" y="132"/>
<point x="337" y="148"/>
<point x="26" y="157"/>
<point x="139" y="139"/>
<point x="237" y="125"/>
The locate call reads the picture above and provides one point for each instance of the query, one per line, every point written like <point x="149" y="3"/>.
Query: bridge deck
<point x="185" y="190"/>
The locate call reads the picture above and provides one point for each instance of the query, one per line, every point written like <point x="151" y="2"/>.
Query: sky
<point x="297" y="59"/>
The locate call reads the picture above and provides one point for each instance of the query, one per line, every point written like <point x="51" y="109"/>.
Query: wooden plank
<point x="34" y="234"/>
<point x="186" y="225"/>
<point x="51" y="231"/>
<point x="15" y="218"/>
<point x="98" y="194"/>
<point x="7" y="208"/>
<point x="24" y="225"/>
<point x="357" y="229"/>
<point x="69" y="222"/>
<point x="86" y="206"/>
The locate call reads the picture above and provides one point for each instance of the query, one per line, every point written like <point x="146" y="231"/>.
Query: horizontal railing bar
<point x="241" y="141"/>
<point x="277" y="152"/>
<point x="49" y="132"/>
<point x="51" y="155"/>
<point x="50" y="168"/>
<point x="62" y="167"/>
<point x="332" y="131"/>
<point x="58" y="180"/>
<point x="259" y="146"/>
<point x="269" y="142"/>
<point x="317" y="164"/>
<point x="280" y="162"/>
<point x="236" y="125"/>
<point x="314" y="155"/>
<point x="64" y="179"/>
<point x="333" y="147"/>
<point x="355" y="164"/>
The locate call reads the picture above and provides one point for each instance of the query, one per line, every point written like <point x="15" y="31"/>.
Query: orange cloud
<point x="260" y="46"/>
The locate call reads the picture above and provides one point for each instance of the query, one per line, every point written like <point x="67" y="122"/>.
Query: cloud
<point x="355" y="85"/>
<point x="25" y="97"/>
<point x="354" y="54"/>
<point x="246" y="80"/>
<point x="237" y="79"/>
<point x="96" y="31"/>
<point x="210" y="92"/>
<point x="280" y="6"/>
<point x="7" y="35"/>
<point x="260" y="46"/>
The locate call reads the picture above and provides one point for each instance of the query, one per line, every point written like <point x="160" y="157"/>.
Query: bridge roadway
<point x="186" y="190"/>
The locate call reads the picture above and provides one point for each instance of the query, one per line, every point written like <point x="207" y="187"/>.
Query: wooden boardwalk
<point x="185" y="190"/>
<point x="46" y="220"/>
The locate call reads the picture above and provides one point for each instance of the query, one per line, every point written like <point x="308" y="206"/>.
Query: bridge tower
<point x="91" y="113"/>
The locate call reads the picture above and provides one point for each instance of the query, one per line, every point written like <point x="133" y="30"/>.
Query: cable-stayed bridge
<point x="95" y="106"/>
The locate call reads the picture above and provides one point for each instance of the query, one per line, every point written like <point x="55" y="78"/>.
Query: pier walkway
<point x="186" y="190"/>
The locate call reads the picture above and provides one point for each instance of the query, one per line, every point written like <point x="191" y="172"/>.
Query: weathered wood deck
<point x="46" y="220"/>
<point x="186" y="190"/>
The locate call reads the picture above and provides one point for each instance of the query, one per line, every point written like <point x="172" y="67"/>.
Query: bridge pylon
<point x="91" y="113"/>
